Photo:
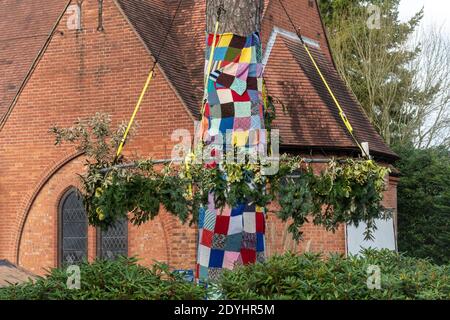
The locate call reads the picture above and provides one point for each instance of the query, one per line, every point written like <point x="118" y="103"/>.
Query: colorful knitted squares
<point x="206" y="237"/>
<point x="210" y="220"/>
<point x="233" y="243"/>
<point x="249" y="222"/>
<point x="218" y="241"/>
<point x="235" y="225"/>
<point x="201" y="217"/>
<point x="248" y="256"/>
<point x="225" y="96"/>
<point x="203" y="255"/>
<point x="260" y="256"/>
<point x="233" y="89"/>
<point x="239" y="86"/>
<point x="230" y="259"/>
<point x="242" y="123"/>
<point x="260" y="223"/>
<point x="260" y="242"/>
<point x="234" y="104"/>
<point x="238" y="210"/>
<point x="225" y="40"/>
<point x="222" y="224"/>
<point x="249" y="240"/>
<point x="214" y="273"/>
<point x="238" y="238"/>
<point x="216" y="258"/>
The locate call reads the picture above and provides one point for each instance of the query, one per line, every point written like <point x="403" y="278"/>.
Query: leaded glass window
<point x="114" y="240"/>
<point x="73" y="228"/>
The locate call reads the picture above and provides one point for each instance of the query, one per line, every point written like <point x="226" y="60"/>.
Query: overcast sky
<point x="437" y="12"/>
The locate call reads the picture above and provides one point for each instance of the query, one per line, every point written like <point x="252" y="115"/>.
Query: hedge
<point x="310" y="276"/>
<point x="289" y="276"/>
<point x="122" y="279"/>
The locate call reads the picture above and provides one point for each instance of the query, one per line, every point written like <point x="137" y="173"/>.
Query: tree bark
<point x="241" y="17"/>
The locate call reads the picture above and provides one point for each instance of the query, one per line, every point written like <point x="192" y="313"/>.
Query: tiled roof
<point x="182" y="57"/>
<point x="311" y="117"/>
<point x="10" y="274"/>
<point x="311" y="122"/>
<point x="25" y="27"/>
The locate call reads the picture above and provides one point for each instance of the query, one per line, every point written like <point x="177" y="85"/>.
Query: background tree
<point x="431" y="122"/>
<point x="402" y="80"/>
<point x="424" y="203"/>
<point x="373" y="58"/>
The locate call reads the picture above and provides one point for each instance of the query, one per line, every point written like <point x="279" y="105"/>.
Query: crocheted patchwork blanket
<point x="233" y="92"/>
<point x="228" y="238"/>
<point x="233" y="117"/>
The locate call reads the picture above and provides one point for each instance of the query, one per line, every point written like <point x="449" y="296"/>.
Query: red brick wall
<point x="316" y="238"/>
<point x="81" y="73"/>
<point x="390" y="199"/>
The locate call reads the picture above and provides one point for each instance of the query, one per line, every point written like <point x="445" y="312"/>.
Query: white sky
<point x="436" y="15"/>
<point x="437" y="12"/>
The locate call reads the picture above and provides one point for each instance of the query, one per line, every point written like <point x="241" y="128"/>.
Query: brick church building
<point x="62" y="60"/>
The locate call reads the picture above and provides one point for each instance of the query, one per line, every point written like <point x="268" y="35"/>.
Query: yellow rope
<point x="338" y="105"/>
<point x="211" y="54"/>
<point x="210" y="61"/>
<point x="204" y="123"/>
<point x="136" y="109"/>
<point x="341" y="112"/>
<point x="147" y="83"/>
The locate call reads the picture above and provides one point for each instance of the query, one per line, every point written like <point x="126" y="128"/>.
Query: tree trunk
<point x="241" y="17"/>
<point x="218" y="230"/>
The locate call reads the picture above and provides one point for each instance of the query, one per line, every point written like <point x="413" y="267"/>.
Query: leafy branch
<point x="348" y="192"/>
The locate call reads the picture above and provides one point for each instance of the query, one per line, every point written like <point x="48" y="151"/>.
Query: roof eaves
<point x="12" y="274"/>
<point x="357" y="111"/>
<point x="325" y="150"/>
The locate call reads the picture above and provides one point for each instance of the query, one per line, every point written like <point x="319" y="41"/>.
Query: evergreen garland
<point x="345" y="192"/>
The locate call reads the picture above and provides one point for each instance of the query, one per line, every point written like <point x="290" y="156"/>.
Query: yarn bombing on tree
<point x="233" y="117"/>
<point x="234" y="92"/>
<point x="228" y="199"/>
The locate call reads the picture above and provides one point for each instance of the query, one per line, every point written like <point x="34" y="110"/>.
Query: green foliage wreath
<point x="347" y="191"/>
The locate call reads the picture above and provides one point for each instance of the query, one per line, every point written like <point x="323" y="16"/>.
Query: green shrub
<point x="289" y="276"/>
<point x="309" y="276"/>
<point x="122" y="279"/>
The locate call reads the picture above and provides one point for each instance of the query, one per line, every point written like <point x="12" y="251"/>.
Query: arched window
<point x="73" y="228"/>
<point x="113" y="241"/>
